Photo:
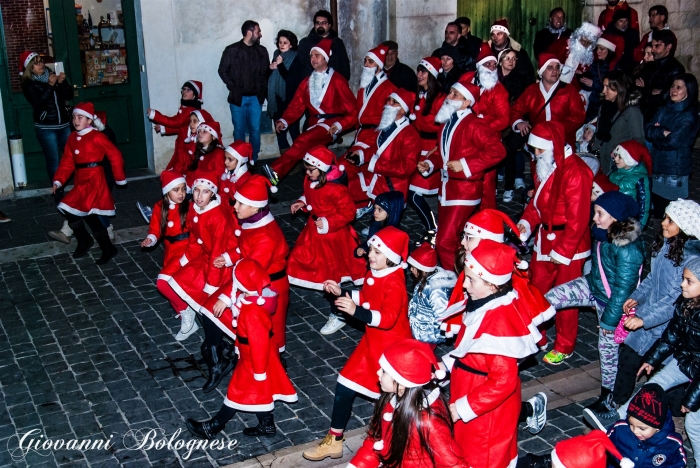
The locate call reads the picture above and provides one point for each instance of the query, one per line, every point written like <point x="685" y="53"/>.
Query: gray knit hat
<point x="686" y="214"/>
<point x="693" y="266"/>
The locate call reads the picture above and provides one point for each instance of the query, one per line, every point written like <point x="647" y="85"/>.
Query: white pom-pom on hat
<point x="273" y="189"/>
<point x="404" y="265"/>
<point x="260" y="301"/>
<point x="416" y="107"/>
<point x="379" y="445"/>
<point x="440" y="374"/>
<point x="412" y="116"/>
<point x="522" y="265"/>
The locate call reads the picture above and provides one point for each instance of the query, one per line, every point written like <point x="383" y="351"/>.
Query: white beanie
<point x="686" y="214"/>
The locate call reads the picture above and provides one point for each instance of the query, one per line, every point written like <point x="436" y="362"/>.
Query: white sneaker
<point x="360" y="212"/>
<point x="536" y="422"/>
<point x="501" y="177"/>
<point x="110" y="231"/>
<point x="333" y="325"/>
<point x="188" y="325"/>
<point x="508" y="196"/>
<point x="519" y="183"/>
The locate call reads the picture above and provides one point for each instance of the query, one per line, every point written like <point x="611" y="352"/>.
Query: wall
<point x="6" y="180"/>
<point x="25" y="29"/>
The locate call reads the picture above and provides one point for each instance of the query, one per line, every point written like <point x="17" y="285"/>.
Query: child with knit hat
<point x="388" y="208"/>
<point x="633" y="168"/>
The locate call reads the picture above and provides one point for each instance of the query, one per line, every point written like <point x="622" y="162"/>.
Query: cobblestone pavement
<point x="88" y="352"/>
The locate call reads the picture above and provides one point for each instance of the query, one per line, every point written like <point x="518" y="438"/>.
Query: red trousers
<point x="451" y="222"/>
<point x="314" y="136"/>
<point x="488" y="196"/>
<point x="167" y="291"/>
<point x="546" y="275"/>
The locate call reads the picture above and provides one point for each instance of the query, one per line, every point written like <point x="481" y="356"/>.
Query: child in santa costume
<point x="190" y="101"/>
<point x="90" y="197"/>
<point x="328" y="233"/>
<point x="259" y="378"/>
<point x="208" y="152"/>
<point x="485" y="386"/>
<point x="411" y="405"/>
<point x="382" y="305"/>
<point x="633" y="163"/>
<point x="429" y="99"/>
<point x="237" y="155"/>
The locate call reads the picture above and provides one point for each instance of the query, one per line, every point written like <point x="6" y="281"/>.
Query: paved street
<point x="88" y="353"/>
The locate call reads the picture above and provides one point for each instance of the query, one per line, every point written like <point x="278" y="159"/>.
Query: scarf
<point x="257" y="216"/>
<point x="191" y="103"/>
<point x="556" y="31"/>
<point x="474" y="304"/>
<point x="276" y="86"/>
<point x="44" y="77"/>
<point x="601" y="235"/>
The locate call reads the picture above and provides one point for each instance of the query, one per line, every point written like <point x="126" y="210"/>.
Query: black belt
<point x="428" y="135"/>
<point x="328" y="116"/>
<point x="556" y="227"/>
<point x="244" y="339"/>
<point x="279" y="275"/>
<point x="459" y="364"/>
<point x="88" y="165"/>
<point x="179" y="237"/>
<point x="367" y="126"/>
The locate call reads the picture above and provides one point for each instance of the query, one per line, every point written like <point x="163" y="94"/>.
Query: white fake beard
<point x="545" y="165"/>
<point x="367" y="75"/>
<point x="388" y="117"/>
<point x="579" y="55"/>
<point x="487" y="78"/>
<point x="448" y="108"/>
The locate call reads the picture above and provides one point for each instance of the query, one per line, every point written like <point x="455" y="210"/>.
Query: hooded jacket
<point x="664" y="449"/>
<point x="634" y="181"/>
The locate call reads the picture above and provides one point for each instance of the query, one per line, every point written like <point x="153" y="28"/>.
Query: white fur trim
<point x="626" y="156"/>
<point x="464" y="92"/>
<point x="625" y="462"/>
<point x="477" y="268"/>
<point x="431" y="69"/>
<point x="209" y="289"/>
<point x="173" y="184"/>
<point x="539" y="142"/>
<point x="314" y="161"/>
<point x="254" y="203"/>
<point x="466" y="413"/>
<point x="29" y="58"/>
<point x="397" y="98"/>
<point x="209" y="129"/>
<point x="83" y="112"/>
<point x="321" y="51"/>
<point x="559" y="258"/>
<point x="499" y="28"/>
<point x="324" y="229"/>
<point x="377" y="60"/>
<point x="413" y="262"/>
<point x="389" y="369"/>
<point x="473" y="230"/>
<point x="357" y="387"/>
<point x="377" y="242"/>
<point x="465" y="168"/>
<point x="376" y="318"/>
<point x="606" y="43"/>
<point x="546" y="64"/>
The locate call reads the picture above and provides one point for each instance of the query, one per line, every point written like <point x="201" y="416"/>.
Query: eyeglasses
<point x="38" y="60"/>
<point x="309" y="169"/>
<point x="320" y="23"/>
<point x="187" y="90"/>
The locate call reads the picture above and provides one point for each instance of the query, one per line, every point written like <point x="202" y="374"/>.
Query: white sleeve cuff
<point x="559" y="258"/>
<point x="153" y="238"/>
<point x="528" y="230"/>
<point x="302" y="199"/>
<point x="355" y="296"/>
<point x="284" y="122"/>
<point x="361" y="154"/>
<point x="464" y="410"/>
<point x="183" y="260"/>
<point x="324" y="229"/>
<point x="372" y="162"/>
<point x="340" y="127"/>
<point x="260" y="377"/>
<point x="227" y="259"/>
<point x="225" y="299"/>
<point x="465" y="168"/>
<point x="432" y="168"/>
<point x="152" y="114"/>
<point x="376" y="318"/>
<point x="514" y="126"/>
<point x="162" y="130"/>
<point x="57" y="184"/>
<point x="209" y="289"/>
<point x="120" y="182"/>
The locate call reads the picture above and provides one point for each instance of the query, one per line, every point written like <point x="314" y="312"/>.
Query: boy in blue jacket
<point x="648" y="436"/>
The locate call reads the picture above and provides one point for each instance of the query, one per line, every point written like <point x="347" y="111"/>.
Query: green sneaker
<point x="554" y="357"/>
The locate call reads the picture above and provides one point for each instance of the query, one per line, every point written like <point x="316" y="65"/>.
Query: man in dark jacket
<point x="338" y="61"/>
<point x="621" y="27"/>
<point x="400" y="74"/>
<point x="463" y="59"/>
<point x="449" y="56"/>
<point x="500" y="40"/>
<point x="556" y="29"/>
<point x="468" y="42"/>
<point x="244" y="68"/>
<point x="656" y="80"/>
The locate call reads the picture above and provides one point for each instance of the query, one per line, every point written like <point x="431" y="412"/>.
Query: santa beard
<point x="367" y="74"/>
<point x="388" y="117"/>
<point x="487" y="78"/>
<point x="448" y="108"/>
<point x="578" y="54"/>
<point x="545" y="165"/>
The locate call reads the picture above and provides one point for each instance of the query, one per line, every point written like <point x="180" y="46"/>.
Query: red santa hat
<point x="393" y="243"/>
<point x="411" y="363"/>
<point x="25" y="58"/>
<point x="85" y="108"/>
<point x="605" y="41"/>
<point x="424" y="258"/>
<point x="251" y="278"/>
<point x="202" y="115"/>
<point x="320" y="157"/>
<point x="544" y="60"/>
<point x="241" y="150"/>
<point x="212" y="127"/>
<point x="468" y="89"/>
<point x="196" y="87"/>
<point x="100" y="120"/>
<point x="404" y="97"/>
<point x="587" y="451"/>
<point x="491" y="261"/>
<point x="378" y="54"/>
<point x="633" y="153"/>
<point x="253" y="192"/>
<point x="602" y="184"/>
<point x="488" y="224"/>
<point x="500" y="25"/>
<point x="615" y="44"/>
<point x="485" y="54"/>
<point x="169" y="180"/>
<point x="324" y="48"/>
<point x="206" y="179"/>
<point x="432" y="64"/>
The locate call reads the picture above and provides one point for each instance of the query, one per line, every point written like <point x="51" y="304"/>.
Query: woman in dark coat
<point x="277" y="103"/>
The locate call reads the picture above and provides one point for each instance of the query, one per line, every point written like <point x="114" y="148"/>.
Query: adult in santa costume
<point x="191" y="100"/>
<point x="406" y="380"/>
<point x="259" y="378"/>
<point x="237" y="155"/>
<point x="606" y="16"/>
<point x="327" y="234"/>
<point x="577" y="52"/>
<point x="330" y="103"/>
<point x="493" y="107"/>
<point x="382" y="305"/>
<point x="90" y="197"/>
<point x="466" y="148"/>
<point x="428" y="101"/>
<point x="560" y="214"/>
<point x="485" y="387"/>
<point x="550" y="100"/>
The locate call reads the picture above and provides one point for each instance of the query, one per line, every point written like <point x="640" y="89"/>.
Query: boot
<point x="329" y="447"/>
<point x="219" y="367"/>
<point x="83" y="237"/>
<point x="265" y="427"/>
<point x="206" y="430"/>
<point x="108" y="249"/>
<point x="604" y="403"/>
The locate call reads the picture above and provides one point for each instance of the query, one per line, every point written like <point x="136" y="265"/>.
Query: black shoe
<point x="283" y="360"/>
<point x="604" y="403"/>
<point x="270" y="174"/>
<point x="83" y="237"/>
<point x="108" y="249"/>
<point x="265" y="427"/>
<point x="219" y="366"/>
<point x="206" y="430"/>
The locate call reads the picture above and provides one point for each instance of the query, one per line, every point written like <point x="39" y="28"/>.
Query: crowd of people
<point x="607" y="123"/>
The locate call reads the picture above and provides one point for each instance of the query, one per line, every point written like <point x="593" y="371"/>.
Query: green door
<point x="525" y="17"/>
<point x="102" y="65"/>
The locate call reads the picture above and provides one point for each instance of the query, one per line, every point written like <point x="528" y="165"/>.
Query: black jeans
<point x="417" y="201"/>
<point x="92" y="220"/>
<point x="628" y="364"/>
<point x="342" y="406"/>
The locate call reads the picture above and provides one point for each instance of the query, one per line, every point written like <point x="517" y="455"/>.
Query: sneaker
<point x="4" y="218"/>
<point x="507" y="196"/>
<point x="333" y="325"/>
<point x="329" y="447"/>
<point x="519" y="184"/>
<point x="60" y="236"/>
<point x="145" y="211"/>
<point x="600" y="421"/>
<point x="501" y="177"/>
<point x="536" y="422"/>
<point x="188" y="325"/>
<point x="270" y="174"/>
<point x="365" y="231"/>
<point x="363" y="211"/>
<point x="603" y="404"/>
<point x="110" y="232"/>
<point x="554" y="357"/>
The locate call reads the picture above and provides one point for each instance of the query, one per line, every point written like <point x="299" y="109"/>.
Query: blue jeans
<point x="52" y="142"/>
<point x="246" y="117"/>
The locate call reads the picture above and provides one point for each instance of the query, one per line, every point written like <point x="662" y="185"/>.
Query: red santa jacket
<point x="436" y="430"/>
<point x="331" y="204"/>
<point x="493" y="106"/>
<point x="369" y="111"/>
<point x="425" y="124"/>
<point x="606" y="16"/>
<point x="175" y="237"/>
<point x="566" y="107"/>
<point x="336" y="99"/>
<point x="393" y="163"/>
<point x="171" y="125"/>
<point x="184" y="151"/>
<point x="473" y="143"/>
<point x="570" y="239"/>
<point x="211" y="162"/>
